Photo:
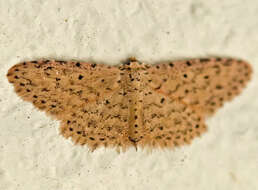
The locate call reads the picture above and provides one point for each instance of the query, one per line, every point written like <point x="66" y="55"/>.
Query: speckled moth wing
<point x="204" y="84"/>
<point x="54" y="86"/>
<point x="78" y="94"/>
<point x="168" y="122"/>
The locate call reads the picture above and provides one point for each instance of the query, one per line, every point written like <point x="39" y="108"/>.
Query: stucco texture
<point x="34" y="156"/>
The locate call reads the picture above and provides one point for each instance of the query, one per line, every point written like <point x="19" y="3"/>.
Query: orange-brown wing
<point x="205" y="84"/>
<point x="57" y="86"/>
<point x="79" y="94"/>
<point x="168" y="122"/>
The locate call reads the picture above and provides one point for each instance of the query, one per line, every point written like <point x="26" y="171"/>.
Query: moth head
<point x="133" y="63"/>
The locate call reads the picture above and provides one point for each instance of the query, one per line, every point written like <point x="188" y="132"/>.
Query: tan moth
<point x="133" y="104"/>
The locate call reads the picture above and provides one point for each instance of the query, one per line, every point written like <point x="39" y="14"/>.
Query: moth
<point x="132" y="104"/>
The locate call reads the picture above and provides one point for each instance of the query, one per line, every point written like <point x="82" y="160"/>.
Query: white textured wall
<point x="34" y="156"/>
